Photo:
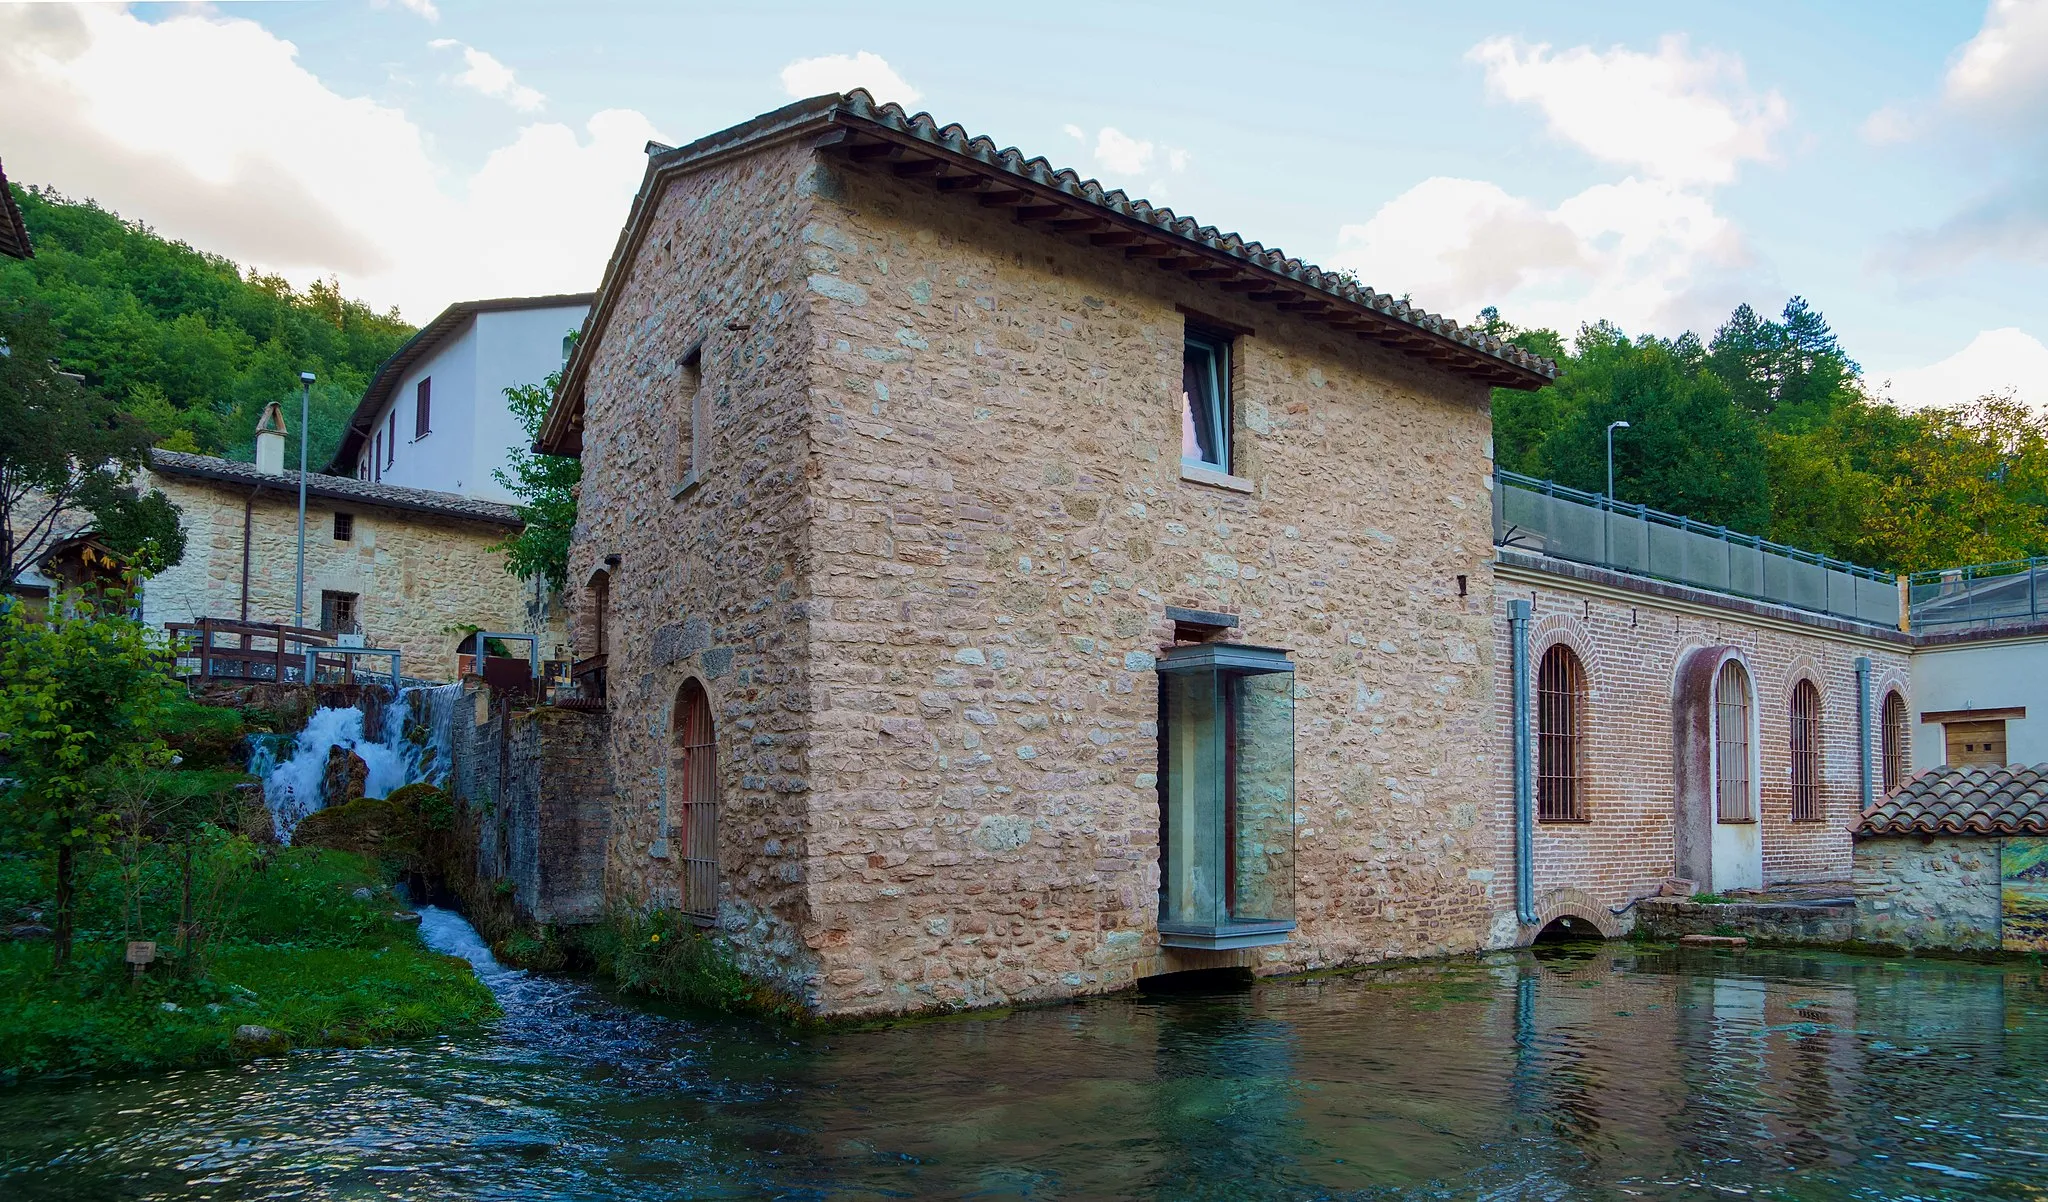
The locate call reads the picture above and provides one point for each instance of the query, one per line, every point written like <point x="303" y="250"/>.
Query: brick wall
<point x="1000" y="520"/>
<point x="1631" y="644"/>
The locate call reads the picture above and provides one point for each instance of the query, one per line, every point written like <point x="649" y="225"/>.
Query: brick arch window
<point x="1894" y="736"/>
<point x="694" y="781"/>
<point x="1805" y="752"/>
<point x="1733" y="777"/>
<point x="1560" y="736"/>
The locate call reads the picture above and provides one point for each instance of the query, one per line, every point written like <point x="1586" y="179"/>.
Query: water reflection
<point x="1585" y="1071"/>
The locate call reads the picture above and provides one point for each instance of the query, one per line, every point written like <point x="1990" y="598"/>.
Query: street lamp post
<point x="1611" y="428"/>
<point x="305" y="419"/>
<point x="1607" y="510"/>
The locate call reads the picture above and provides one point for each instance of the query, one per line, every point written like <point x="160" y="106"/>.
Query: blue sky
<point x="1643" y="163"/>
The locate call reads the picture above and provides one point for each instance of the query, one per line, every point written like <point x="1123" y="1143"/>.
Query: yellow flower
<point x="654" y="939"/>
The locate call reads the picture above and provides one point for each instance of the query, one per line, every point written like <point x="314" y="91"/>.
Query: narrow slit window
<point x="1732" y="768"/>
<point x="1205" y="401"/>
<point x="1805" y="752"/>
<point x="1560" y="736"/>
<point x="423" y="409"/>
<point x="1895" y="747"/>
<point x="391" y="437"/>
<point x="688" y="410"/>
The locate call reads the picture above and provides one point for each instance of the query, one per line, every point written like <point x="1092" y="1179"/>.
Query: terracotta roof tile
<point x="2011" y="800"/>
<point x="337" y="488"/>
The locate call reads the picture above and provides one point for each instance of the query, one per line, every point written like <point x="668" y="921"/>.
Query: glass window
<point x="1226" y="788"/>
<point x="1732" y="774"/>
<point x="1894" y="741"/>
<point x="1560" y="735"/>
<point x="1205" y="402"/>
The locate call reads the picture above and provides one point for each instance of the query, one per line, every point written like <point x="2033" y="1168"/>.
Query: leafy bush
<point x="664" y="955"/>
<point x="205" y="736"/>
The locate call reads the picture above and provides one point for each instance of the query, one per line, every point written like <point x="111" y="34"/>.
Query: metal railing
<point x="2015" y="590"/>
<point x="1550" y="519"/>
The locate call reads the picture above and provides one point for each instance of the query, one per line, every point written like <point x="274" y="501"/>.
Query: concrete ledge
<point x="1825" y="921"/>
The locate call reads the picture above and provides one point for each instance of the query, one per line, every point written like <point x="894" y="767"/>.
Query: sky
<point x="1649" y="165"/>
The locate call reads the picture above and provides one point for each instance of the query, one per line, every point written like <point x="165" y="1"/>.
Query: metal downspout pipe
<point x="1863" y="726"/>
<point x="1525" y="783"/>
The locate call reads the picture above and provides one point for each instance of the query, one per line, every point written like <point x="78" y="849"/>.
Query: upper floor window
<point x="377" y="456"/>
<point x="344" y="527"/>
<point x="1805" y="752"/>
<point x="391" y="437"/>
<point x="1205" y="401"/>
<point x="1560" y="736"/>
<point x="423" y="409"/>
<point x="1733" y="775"/>
<point x="693" y="420"/>
<point x="1894" y="741"/>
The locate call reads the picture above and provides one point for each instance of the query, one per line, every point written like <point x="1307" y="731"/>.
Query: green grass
<point x="662" y="955"/>
<point x="304" y="943"/>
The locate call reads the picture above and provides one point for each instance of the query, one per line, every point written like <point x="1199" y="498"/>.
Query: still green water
<point x="1601" y="1071"/>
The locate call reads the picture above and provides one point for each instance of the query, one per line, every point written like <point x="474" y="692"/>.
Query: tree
<point x="66" y="456"/>
<point x="84" y="696"/>
<point x="546" y="487"/>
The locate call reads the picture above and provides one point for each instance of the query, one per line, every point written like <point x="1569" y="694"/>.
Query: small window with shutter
<point x="423" y="409"/>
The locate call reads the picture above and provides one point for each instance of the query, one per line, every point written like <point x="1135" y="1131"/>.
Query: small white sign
<point x="348" y="640"/>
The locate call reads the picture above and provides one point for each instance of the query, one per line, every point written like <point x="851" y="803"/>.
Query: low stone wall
<point x="1775" y="922"/>
<point x="536" y="792"/>
<point x="1928" y="893"/>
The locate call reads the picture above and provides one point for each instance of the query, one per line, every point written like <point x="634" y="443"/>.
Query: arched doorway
<point x="694" y="779"/>
<point x="1717" y="837"/>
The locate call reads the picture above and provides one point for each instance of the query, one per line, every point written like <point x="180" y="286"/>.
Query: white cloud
<point x="487" y="75"/>
<point x="424" y="8"/>
<point x="1996" y="362"/>
<point x="1118" y="152"/>
<point x="1644" y="254"/>
<point x="843" y="73"/>
<point x="2006" y="65"/>
<point x="1675" y="115"/>
<point x="154" y="120"/>
<point x="1125" y="160"/>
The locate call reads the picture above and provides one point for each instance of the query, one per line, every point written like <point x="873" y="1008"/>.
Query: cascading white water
<point x="412" y="745"/>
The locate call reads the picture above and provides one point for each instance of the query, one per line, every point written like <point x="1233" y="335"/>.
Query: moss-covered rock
<point x="206" y="736"/>
<point x="410" y="833"/>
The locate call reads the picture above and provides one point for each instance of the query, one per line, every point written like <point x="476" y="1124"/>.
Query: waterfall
<point x="413" y="743"/>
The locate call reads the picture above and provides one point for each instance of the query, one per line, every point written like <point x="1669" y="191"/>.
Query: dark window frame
<point x="344" y="526"/>
<point x="423" y="408"/>
<point x="340" y="612"/>
<point x="1208" y="354"/>
<point x="391" y="438"/>
<point x="1896" y="741"/>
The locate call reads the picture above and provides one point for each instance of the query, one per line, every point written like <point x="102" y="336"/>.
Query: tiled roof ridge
<point x="2008" y="799"/>
<point x="393" y="496"/>
<point x="954" y="138"/>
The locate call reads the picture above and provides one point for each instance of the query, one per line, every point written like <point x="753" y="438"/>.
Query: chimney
<point x="270" y="441"/>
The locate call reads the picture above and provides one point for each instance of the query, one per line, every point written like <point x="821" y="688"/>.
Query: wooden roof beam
<point x="1113" y="238"/>
<point x="1036" y="212"/>
<point x="869" y="152"/>
<point x="913" y="167"/>
<point x="999" y="197"/>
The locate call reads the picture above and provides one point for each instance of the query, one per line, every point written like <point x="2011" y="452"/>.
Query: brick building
<point x="1003" y="589"/>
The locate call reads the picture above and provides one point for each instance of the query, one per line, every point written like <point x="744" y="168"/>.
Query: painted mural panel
<point x="2023" y="894"/>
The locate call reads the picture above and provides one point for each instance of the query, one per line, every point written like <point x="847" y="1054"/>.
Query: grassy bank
<point x="302" y="942"/>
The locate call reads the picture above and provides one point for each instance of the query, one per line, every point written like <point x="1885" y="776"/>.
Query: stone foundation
<point x="1917" y="892"/>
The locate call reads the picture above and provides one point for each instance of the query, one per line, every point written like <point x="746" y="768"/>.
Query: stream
<point x="1586" y="1070"/>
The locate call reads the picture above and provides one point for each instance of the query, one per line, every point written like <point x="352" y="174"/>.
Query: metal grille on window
<point x="1805" y="752"/>
<point x="696" y="779"/>
<point x="1560" y="736"/>
<point x="1731" y="744"/>
<point x="1894" y="741"/>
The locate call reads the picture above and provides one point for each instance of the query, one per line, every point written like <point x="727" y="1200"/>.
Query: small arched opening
<point x="1568" y="928"/>
<point x="1896" y="755"/>
<point x="693" y="777"/>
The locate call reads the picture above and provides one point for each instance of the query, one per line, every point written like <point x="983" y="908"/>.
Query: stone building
<point x="1957" y="859"/>
<point x="1002" y="589"/>
<point x="406" y="568"/>
<point x="894" y="519"/>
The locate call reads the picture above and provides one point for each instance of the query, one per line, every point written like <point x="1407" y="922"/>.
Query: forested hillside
<point x="192" y="344"/>
<point x="1766" y="428"/>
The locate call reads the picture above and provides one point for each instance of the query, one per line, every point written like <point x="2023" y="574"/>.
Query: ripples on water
<point x="1598" y="1072"/>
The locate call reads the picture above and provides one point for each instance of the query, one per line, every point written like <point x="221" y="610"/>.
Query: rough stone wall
<point x="1782" y="922"/>
<point x="555" y="813"/>
<point x="711" y="578"/>
<point x="1631" y="647"/>
<point x="417" y="576"/>
<point x="1002" y="520"/>
<point x="1940" y="893"/>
